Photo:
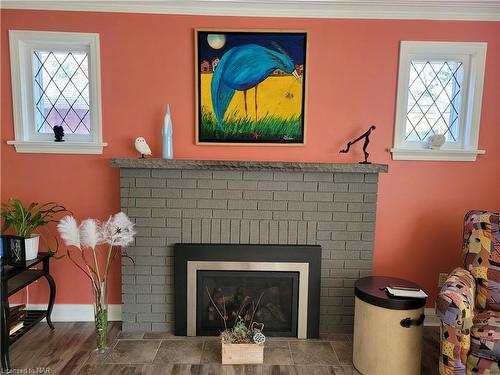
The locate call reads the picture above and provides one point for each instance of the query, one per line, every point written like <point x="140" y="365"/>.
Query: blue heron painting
<point x="250" y="87"/>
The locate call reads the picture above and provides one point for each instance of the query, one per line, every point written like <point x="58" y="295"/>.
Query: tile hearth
<point x="70" y="350"/>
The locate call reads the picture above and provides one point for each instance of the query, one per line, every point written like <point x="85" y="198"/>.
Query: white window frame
<point x="473" y="57"/>
<point x="27" y="140"/>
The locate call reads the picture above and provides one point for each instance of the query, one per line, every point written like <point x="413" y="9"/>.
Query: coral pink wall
<point x="147" y="61"/>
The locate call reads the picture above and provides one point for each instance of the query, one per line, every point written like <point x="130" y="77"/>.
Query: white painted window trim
<point x="22" y="43"/>
<point x="473" y="55"/>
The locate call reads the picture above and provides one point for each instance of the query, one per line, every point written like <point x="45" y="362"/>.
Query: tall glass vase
<point x="101" y="316"/>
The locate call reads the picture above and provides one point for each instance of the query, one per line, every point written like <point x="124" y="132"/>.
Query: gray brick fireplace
<point x="229" y="202"/>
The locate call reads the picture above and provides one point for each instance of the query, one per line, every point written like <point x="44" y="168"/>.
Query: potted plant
<point x="243" y="344"/>
<point x="26" y="219"/>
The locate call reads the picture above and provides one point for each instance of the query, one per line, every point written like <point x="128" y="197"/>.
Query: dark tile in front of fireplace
<point x="344" y="351"/>
<point x="277" y="353"/>
<point x="133" y="351"/>
<point x="161" y="335"/>
<point x="313" y="353"/>
<point x="180" y="351"/>
<point x="211" y="352"/>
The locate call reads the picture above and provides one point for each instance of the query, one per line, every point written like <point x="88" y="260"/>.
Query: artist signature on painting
<point x="287" y="138"/>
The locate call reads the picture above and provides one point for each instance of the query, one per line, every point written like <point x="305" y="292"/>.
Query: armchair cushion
<point x="485" y="335"/>
<point x="455" y="302"/>
<point x="482" y="256"/>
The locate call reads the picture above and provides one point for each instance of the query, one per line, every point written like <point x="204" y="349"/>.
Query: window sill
<point x="41" y="147"/>
<point x="438" y="155"/>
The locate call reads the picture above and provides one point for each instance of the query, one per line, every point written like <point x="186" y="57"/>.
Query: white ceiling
<point x="487" y="10"/>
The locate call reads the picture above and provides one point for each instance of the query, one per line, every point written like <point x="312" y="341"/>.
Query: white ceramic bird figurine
<point x="142" y="147"/>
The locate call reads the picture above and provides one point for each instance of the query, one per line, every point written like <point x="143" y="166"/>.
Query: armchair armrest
<point x="455" y="301"/>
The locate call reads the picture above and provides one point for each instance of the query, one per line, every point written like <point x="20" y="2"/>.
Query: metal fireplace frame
<point x="304" y="259"/>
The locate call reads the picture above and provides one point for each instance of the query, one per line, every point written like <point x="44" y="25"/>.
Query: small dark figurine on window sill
<point x="366" y="136"/>
<point x="58" y="133"/>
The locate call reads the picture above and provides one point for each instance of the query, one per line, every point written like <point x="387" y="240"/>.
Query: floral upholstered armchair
<point x="469" y="302"/>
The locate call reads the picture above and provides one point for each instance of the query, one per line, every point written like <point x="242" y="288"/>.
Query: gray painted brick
<point x="156" y="317"/>
<point x="363" y="227"/>
<point x="271" y="205"/>
<point x="302" y="186"/>
<point x="349" y="177"/>
<point x="347" y="216"/>
<point x="333" y="206"/>
<point x="242" y="205"/>
<point x="136" y="289"/>
<point x="215" y="231"/>
<point x="317" y="216"/>
<point x="139" y="212"/>
<point x="257" y="233"/>
<point x="227" y="214"/>
<point x="160" y="308"/>
<point x="332" y="186"/>
<point x="166" y="212"/>
<point x="197" y="193"/>
<point x="258" y="175"/>
<point x="235" y="231"/>
<point x="348" y="197"/>
<point x="344" y="273"/>
<point x="165" y="173"/>
<point x="166" y="193"/>
<point x="181" y="203"/>
<point x="149" y="222"/>
<point x="358" y="264"/>
<point x="196" y="174"/>
<point x="362" y="188"/>
<point x="318" y="197"/>
<point x="212" y="184"/>
<point x="150" y="182"/>
<point x="292" y="232"/>
<point x="242" y="185"/>
<point x="359" y="245"/>
<point x="136" y="192"/>
<point x="371" y="178"/>
<point x="324" y="236"/>
<point x="143" y="231"/>
<point x="173" y="223"/>
<point x="129" y="172"/>
<point x="245" y="231"/>
<point x="302" y="232"/>
<point x="258" y="195"/>
<point x="303" y="206"/>
<point x="256" y="214"/>
<point x="205" y="230"/>
<point x="272" y="185"/>
<point x="225" y="230"/>
<point x="227" y="194"/>
<point x="165" y="232"/>
<point x="370" y="198"/>
<point x="343" y="236"/>
<point x="273" y="232"/>
<point x="149" y="241"/>
<point x="197" y="213"/>
<point x="150" y="202"/>
<point x="127" y="182"/>
<point x="282" y="232"/>
<point x="186" y="230"/>
<point x="286" y="215"/>
<point x="288" y="176"/>
<point x="288" y="195"/>
<point x="362" y="207"/>
<point x="332" y="263"/>
<point x="311" y="232"/>
<point x="212" y="203"/>
<point x="227" y="175"/>
<point x="369" y="216"/>
<point x="367" y="236"/>
<point x="196" y="230"/>
<point x="181" y="184"/>
<point x="318" y="176"/>
<point x="341" y="254"/>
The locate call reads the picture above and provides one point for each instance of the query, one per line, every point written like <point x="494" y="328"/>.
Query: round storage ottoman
<point x="387" y="330"/>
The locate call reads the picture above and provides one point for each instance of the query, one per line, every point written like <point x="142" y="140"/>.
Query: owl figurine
<point x="142" y="147"/>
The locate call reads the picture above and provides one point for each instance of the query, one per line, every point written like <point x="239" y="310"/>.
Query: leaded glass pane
<point x="434" y="96"/>
<point x="61" y="88"/>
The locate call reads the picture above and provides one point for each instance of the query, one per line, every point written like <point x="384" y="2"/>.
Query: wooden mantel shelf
<point x="248" y="165"/>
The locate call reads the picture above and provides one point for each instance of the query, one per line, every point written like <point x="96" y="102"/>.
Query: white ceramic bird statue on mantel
<point x="142" y="147"/>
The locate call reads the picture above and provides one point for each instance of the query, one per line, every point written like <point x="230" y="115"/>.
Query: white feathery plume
<point x="68" y="229"/>
<point x="118" y="230"/>
<point x="90" y="233"/>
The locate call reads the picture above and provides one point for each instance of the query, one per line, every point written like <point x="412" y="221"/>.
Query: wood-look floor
<point x="70" y="350"/>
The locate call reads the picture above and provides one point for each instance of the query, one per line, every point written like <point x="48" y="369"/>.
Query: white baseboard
<point x="78" y="313"/>
<point x="431" y="319"/>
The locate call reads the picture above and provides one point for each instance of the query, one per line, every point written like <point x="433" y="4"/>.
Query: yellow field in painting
<point x="277" y="96"/>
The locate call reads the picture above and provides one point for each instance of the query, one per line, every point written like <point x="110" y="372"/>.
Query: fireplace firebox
<point x="283" y="280"/>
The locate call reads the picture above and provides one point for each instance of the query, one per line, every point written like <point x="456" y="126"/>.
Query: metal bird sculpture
<point x="242" y="68"/>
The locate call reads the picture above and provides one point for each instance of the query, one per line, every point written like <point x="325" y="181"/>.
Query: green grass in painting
<point x="242" y="129"/>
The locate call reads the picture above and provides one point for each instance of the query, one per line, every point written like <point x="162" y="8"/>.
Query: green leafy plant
<point x="25" y="220"/>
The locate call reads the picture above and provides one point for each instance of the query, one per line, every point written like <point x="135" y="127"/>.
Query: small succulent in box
<point x="245" y="330"/>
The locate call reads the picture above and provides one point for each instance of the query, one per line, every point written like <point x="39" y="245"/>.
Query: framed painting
<point x="250" y="87"/>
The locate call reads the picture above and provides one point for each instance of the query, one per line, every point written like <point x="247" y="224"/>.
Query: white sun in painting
<point x="216" y="41"/>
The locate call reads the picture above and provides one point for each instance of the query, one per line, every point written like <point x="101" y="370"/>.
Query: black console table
<point x="13" y="280"/>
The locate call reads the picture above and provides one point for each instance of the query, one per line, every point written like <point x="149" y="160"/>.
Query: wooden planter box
<point x="242" y="354"/>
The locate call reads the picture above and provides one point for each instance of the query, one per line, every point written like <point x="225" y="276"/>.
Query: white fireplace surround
<point x="194" y="266"/>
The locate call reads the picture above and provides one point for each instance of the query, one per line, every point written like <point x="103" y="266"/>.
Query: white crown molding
<point x="477" y="10"/>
